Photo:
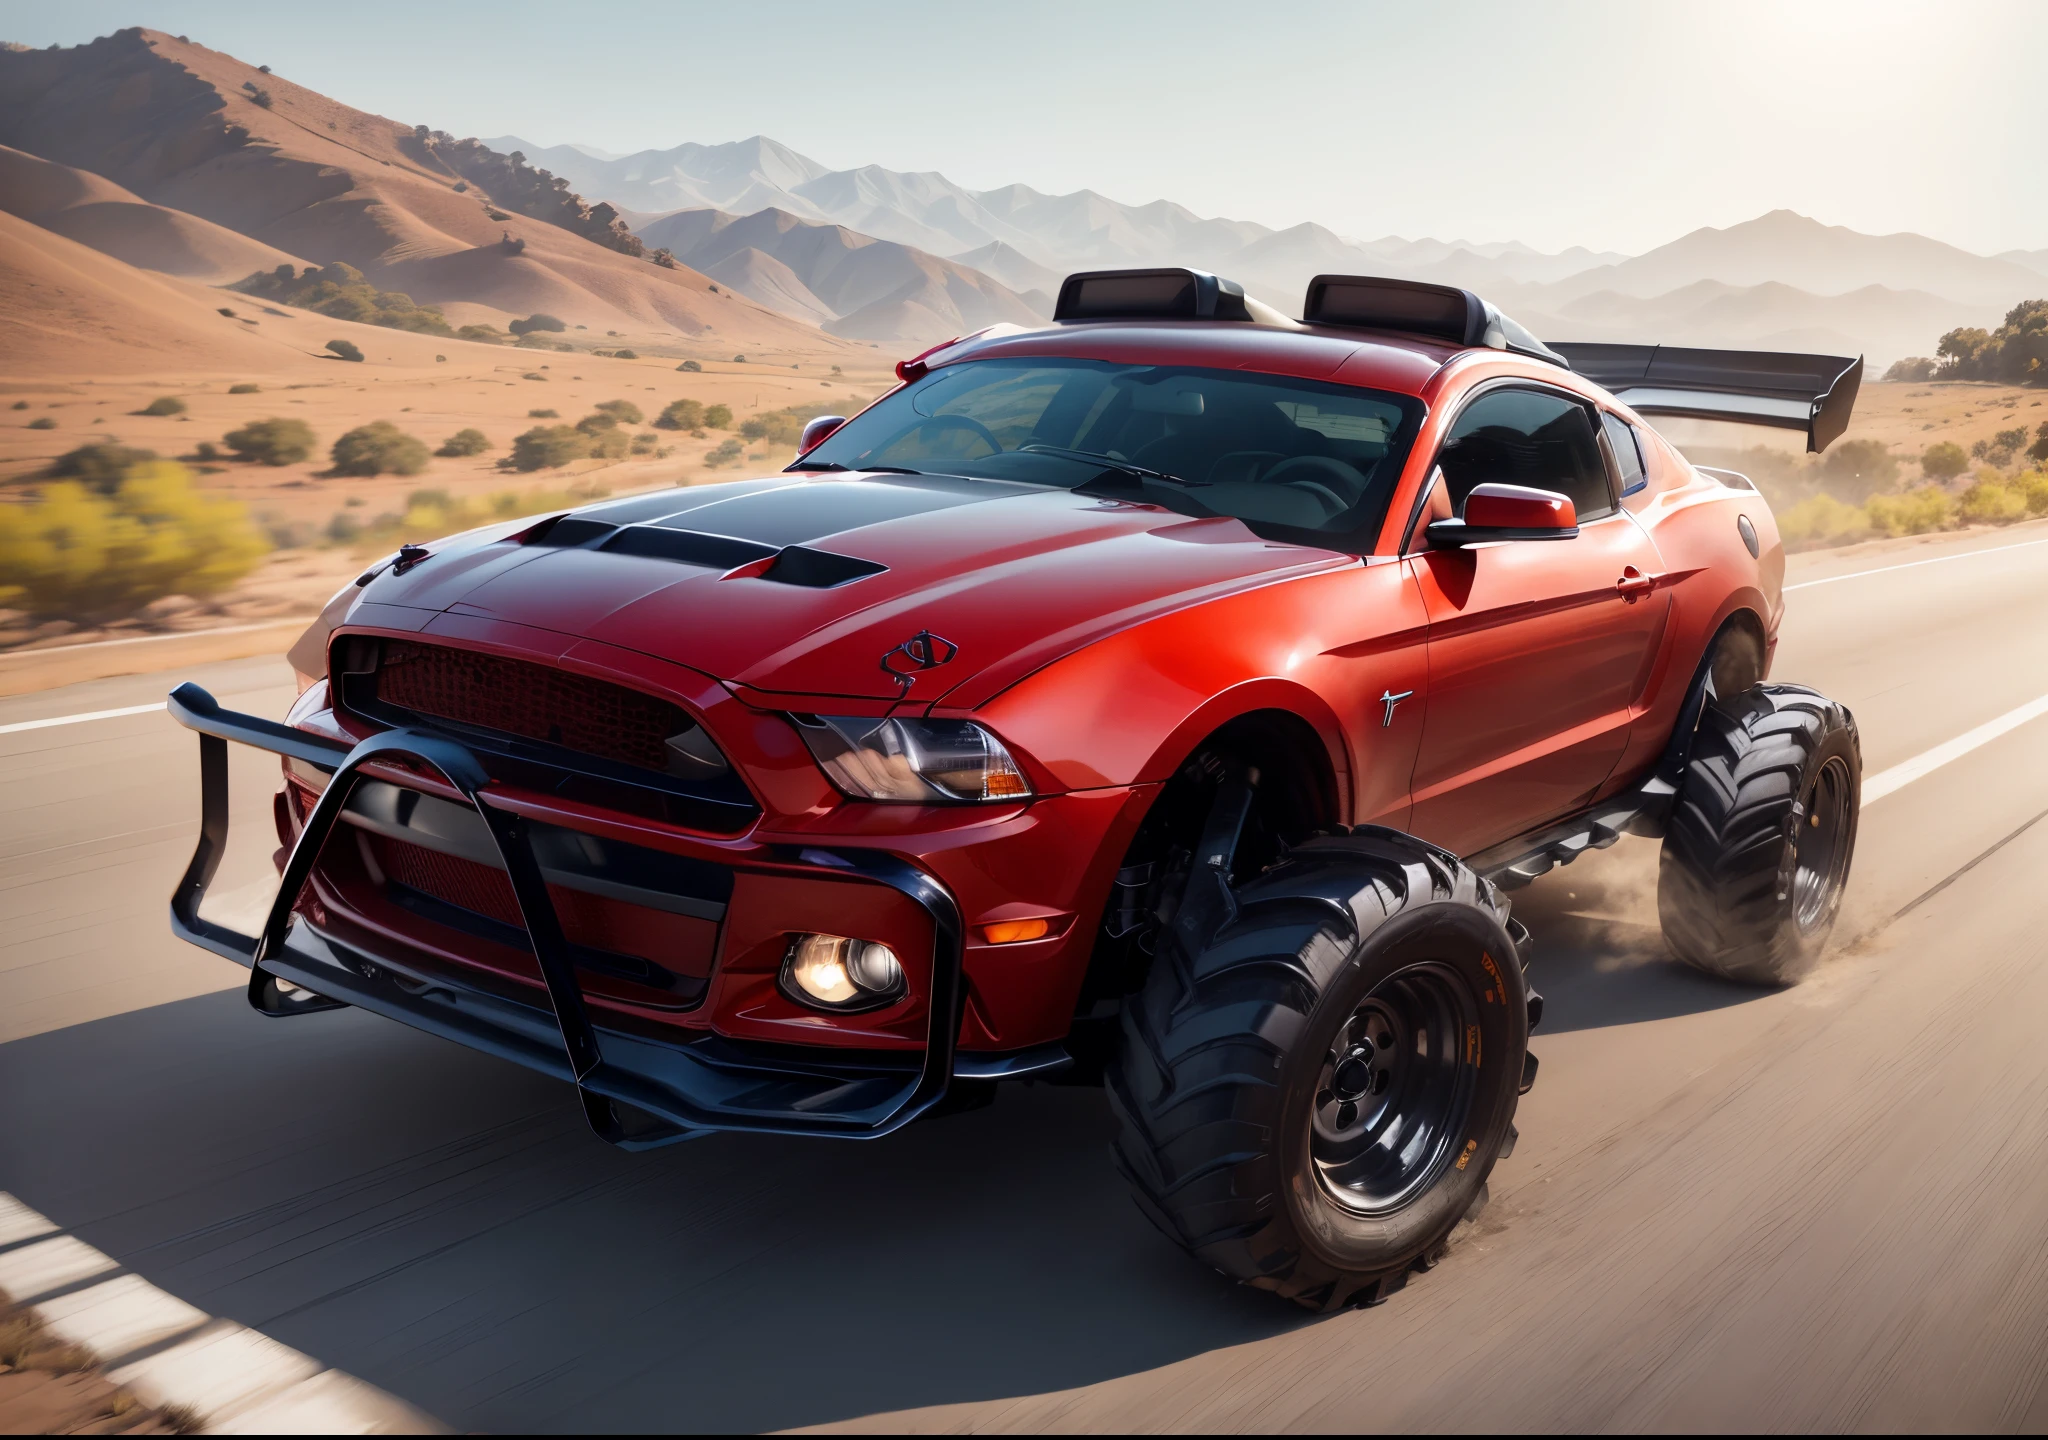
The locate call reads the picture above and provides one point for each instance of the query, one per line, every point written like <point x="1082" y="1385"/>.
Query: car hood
<point x="1006" y="576"/>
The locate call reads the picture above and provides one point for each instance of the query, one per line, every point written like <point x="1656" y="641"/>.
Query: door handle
<point x="1634" y="584"/>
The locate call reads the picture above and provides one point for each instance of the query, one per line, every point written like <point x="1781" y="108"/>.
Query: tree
<point x="1914" y="368"/>
<point x="1944" y="461"/>
<point x="681" y="415"/>
<point x="276" y="441"/>
<point x="346" y="349"/>
<point x="378" y="448"/>
<point x="2039" y="449"/>
<point x="465" y="442"/>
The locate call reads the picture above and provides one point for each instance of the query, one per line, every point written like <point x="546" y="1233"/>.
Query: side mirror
<point x="817" y="432"/>
<point x="1507" y="512"/>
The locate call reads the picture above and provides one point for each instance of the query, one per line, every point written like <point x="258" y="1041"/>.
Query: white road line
<point x="21" y="725"/>
<point x="1909" y="564"/>
<point x="1927" y="762"/>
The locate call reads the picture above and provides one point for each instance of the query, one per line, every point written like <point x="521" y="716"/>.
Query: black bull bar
<point x="636" y="1092"/>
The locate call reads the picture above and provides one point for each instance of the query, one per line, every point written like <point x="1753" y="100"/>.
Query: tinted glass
<point x="1298" y="458"/>
<point x="1628" y="452"/>
<point x="1527" y="437"/>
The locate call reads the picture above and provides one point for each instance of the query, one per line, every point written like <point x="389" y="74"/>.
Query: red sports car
<point x="1162" y="698"/>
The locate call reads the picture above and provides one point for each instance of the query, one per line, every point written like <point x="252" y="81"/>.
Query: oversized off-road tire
<point x="1312" y="1099"/>
<point x="1758" y="848"/>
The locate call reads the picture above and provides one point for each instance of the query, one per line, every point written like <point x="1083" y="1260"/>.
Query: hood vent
<point x="784" y="564"/>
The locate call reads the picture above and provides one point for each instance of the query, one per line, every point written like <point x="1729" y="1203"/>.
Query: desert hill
<point x="196" y="130"/>
<point x="851" y="284"/>
<point x="73" y="310"/>
<point x="99" y="213"/>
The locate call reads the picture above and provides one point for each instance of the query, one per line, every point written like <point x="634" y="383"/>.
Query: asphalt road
<point x="1818" y="1208"/>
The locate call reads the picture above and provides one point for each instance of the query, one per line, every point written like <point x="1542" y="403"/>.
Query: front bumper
<point x="636" y="1091"/>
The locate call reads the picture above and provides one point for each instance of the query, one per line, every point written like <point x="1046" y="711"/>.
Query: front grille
<point x="537" y="702"/>
<point x="451" y="879"/>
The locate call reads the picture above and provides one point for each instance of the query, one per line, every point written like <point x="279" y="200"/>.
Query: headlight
<point x="915" y="762"/>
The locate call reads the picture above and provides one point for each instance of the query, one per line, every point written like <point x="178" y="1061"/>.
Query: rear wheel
<point x="1311" y="1099"/>
<point x="1757" y="852"/>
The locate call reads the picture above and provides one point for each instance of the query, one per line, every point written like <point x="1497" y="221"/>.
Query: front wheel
<point x="1757" y="852"/>
<point x="1312" y="1101"/>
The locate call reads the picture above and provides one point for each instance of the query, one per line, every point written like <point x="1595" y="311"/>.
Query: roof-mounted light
<point x="1167" y="294"/>
<point x="1410" y="307"/>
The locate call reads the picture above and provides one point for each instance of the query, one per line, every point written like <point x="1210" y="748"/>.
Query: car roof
<point x="1379" y="360"/>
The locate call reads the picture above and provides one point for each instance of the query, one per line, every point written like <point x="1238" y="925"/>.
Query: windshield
<point x="1301" y="459"/>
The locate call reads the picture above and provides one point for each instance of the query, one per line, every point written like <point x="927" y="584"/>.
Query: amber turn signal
<point x="1009" y="932"/>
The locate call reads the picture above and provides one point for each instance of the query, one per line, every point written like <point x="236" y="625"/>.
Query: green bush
<point x="543" y="414"/>
<point x="726" y="452"/>
<point x="1822" y="520"/>
<point x="346" y="349"/>
<point x="625" y="355"/>
<point x="379" y="448"/>
<point x="1944" y="461"/>
<point x="546" y="446"/>
<point x="163" y="405"/>
<point x="645" y="443"/>
<point x="98" y="467"/>
<point x="1855" y="470"/>
<point x="72" y="551"/>
<point x="535" y="322"/>
<point x="276" y="441"/>
<point x="43" y="422"/>
<point x="1916" y="513"/>
<point x="1991" y="502"/>
<point x="609" y="444"/>
<point x="482" y="334"/>
<point x="717" y="417"/>
<point x="597" y="423"/>
<point x="777" y="427"/>
<point x="623" y="411"/>
<point x="681" y="415"/>
<point x="245" y="388"/>
<point x="691" y="367"/>
<point x="465" y="442"/>
<point x="341" y="291"/>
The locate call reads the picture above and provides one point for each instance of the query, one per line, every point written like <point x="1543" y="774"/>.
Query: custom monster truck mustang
<point x="1162" y="698"/>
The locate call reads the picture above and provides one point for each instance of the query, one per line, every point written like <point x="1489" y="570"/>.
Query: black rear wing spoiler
<point x="1813" y="393"/>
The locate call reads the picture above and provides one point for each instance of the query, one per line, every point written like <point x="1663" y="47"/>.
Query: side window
<point x="1528" y="437"/>
<point x="1628" y="452"/>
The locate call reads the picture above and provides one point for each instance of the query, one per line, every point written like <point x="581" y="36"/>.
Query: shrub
<point x="1944" y="461"/>
<point x="623" y="411"/>
<point x="535" y="322"/>
<point x="724" y="453"/>
<point x="533" y="375"/>
<point x="205" y="450"/>
<point x="546" y="446"/>
<point x="43" y="422"/>
<point x="1857" y="469"/>
<point x="2039" y="449"/>
<point x="245" y="388"/>
<point x="739" y="359"/>
<point x="1914" y="369"/>
<point x="341" y="291"/>
<point x="543" y="414"/>
<point x="276" y="441"/>
<point x="598" y="423"/>
<point x="664" y="257"/>
<point x="346" y="349"/>
<point x="2034" y="486"/>
<point x="19" y="405"/>
<point x="681" y="415"/>
<point x="98" y="467"/>
<point x="625" y="355"/>
<point x="1991" y="502"/>
<point x="261" y="97"/>
<point x="464" y="442"/>
<point x="644" y="443"/>
<point x="378" y="448"/>
<point x="163" y="405"/>
<point x="717" y="417"/>
<point x="1917" y="513"/>
<point x="482" y="334"/>
<point x="608" y="444"/>
<point x="777" y="427"/>
<point x="74" y="551"/>
<point x="691" y="367"/>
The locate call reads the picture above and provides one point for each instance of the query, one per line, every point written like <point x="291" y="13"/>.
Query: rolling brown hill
<point x="97" y="212"/>
<point x="198" y="131"/>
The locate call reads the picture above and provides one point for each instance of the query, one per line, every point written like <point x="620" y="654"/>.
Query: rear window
<point x="1295" y="459"/>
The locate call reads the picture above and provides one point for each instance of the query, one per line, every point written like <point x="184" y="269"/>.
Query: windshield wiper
<point x="823" y="466"/>
<point x="1110" y="462"/>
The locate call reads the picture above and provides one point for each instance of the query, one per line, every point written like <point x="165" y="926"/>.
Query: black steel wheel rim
<point x="1821" y="846"/>
<point x="1394" y="1091"/>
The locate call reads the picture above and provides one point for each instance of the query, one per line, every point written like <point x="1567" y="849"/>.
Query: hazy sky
<point x="1613" y="125"/>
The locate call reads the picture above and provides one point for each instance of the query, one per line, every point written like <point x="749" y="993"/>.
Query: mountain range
<point x="1781" y="280"/>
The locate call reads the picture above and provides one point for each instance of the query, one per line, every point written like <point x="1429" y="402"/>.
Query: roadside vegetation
<point x="2016" y="353"/>
<point x="341" y="291"/>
